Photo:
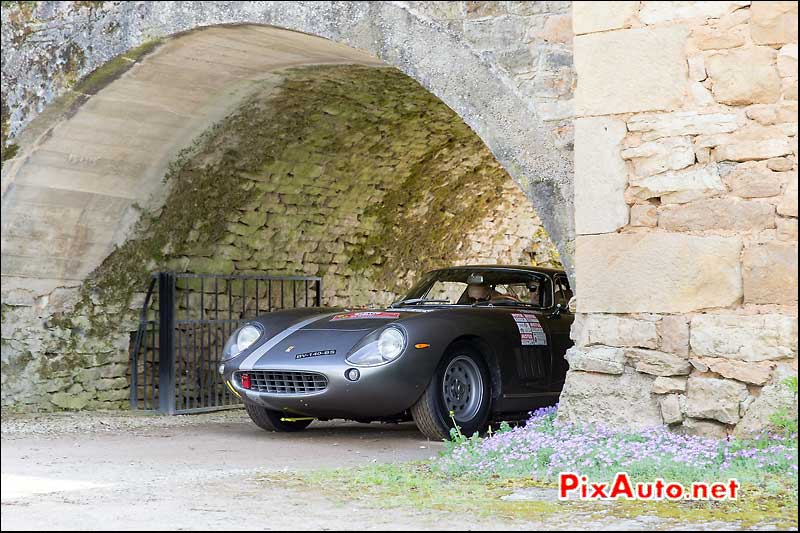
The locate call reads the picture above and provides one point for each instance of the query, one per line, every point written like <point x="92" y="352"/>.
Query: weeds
<point x="785" y="420"/>
<point x="473" y="473"/>
<point x="543" y="447"/>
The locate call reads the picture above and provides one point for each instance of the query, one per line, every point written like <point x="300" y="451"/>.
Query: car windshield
<point x="469" y="286"/>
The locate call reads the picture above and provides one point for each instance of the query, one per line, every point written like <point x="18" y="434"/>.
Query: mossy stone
<point x="355" y="173"/>
<point x="70" y="401"/>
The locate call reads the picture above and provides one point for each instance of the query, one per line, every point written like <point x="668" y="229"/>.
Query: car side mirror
<point x="557" y="311"/>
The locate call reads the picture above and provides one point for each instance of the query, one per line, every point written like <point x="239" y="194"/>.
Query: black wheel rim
<point x="462" y="388"/>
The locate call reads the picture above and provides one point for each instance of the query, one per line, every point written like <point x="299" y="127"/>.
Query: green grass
<point x="415" y="486"/>
<point x="473" y="473"/>
<point x="783" y="419"/>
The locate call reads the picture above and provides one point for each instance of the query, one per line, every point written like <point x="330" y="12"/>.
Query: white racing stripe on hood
<point x="253" y="358"/>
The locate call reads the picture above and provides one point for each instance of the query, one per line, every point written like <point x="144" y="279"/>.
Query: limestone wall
<point x="686" y="213"/>
<point x="529" y="42"/>
<point x="685" y="186"/>
<point x="354" y="174"/>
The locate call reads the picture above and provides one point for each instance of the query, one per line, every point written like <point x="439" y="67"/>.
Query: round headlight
<point x="378" y="348"/>
<point x="391" y="343"/>
<point x="246" y="337"/>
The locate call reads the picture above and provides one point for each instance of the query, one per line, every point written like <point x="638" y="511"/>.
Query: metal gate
<point x="184" y="324"/>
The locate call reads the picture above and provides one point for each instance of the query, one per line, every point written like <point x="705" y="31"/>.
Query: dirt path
<point x="121" y="471"/>
<point x="132" y="472"/>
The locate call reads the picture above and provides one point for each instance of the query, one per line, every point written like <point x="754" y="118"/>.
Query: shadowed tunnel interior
<point x="352" y="173"/>
<point x="209" y="156"/>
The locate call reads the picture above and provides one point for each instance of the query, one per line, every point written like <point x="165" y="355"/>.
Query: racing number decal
<point x="531" y="332"/>
<point x="365" y="314"/>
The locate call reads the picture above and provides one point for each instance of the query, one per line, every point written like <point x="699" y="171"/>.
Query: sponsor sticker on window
<point x="530" y="329"/>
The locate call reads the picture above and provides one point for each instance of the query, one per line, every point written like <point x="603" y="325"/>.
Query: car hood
<point x="319" y="337"/>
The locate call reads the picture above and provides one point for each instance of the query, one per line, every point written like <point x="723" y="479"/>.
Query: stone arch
<point x="98" y="151"/>
<point x="700" y="333"/>
<point x="401" y="35"/>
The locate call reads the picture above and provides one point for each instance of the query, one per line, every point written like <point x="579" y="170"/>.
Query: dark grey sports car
<point x="467" y="344"/>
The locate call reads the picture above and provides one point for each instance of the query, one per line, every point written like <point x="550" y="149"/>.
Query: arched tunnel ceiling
<point x="76" y="187"/>
<point x="79" y="189"/>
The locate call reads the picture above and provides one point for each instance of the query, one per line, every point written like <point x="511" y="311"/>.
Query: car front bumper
<point x="379" y="392"/>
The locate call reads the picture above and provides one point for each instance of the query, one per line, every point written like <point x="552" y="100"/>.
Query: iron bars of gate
<point x="184" y="324"/>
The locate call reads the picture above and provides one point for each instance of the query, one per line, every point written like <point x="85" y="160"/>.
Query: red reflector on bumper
<point x="245" y="381"/>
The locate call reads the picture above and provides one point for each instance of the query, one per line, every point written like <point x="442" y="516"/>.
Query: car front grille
<point x="278" y="382"/>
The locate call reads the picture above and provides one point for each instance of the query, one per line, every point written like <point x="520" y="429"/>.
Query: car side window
<point x="563" y="292"/>
<point x="539" y="292"/>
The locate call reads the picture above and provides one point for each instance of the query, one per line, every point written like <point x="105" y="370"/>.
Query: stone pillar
<point x="685" y="214"/>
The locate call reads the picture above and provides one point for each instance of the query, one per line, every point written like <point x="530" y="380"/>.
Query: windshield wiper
<point x="413" y="301"/>
<point x="502" y="302"/>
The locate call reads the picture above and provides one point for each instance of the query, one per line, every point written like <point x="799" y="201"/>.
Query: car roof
<point x="526" y="268"/>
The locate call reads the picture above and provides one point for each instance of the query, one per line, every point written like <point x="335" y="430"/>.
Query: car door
<point x="560" y="322"/>
<point x="529" y="366"/>
<point x="532" y="358"/>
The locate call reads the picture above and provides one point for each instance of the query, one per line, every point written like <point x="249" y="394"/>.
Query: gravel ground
<point x="144" y="472"/>
<point x="15" y="426"/>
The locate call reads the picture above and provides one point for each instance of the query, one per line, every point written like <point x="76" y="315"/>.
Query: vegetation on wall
<point x="352" y="168"/>
<point x="113" y="69"/>
<point x="354" y="174"/>
<point x="69" y="64"/>
<point x="7" y="151"/>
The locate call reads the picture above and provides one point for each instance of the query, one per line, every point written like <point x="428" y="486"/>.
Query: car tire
<point x="463" y="369"/>
<point x="270" y="420"/>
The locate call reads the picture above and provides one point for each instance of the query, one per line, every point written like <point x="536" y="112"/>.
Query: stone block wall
<point x="685" y="190"/>
<point x="686" y="214"/>
<point x="531" y="44"/>
<point x="354" y="174"/>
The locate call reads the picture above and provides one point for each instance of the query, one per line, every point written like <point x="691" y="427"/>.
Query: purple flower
<point x="544" y="447"/>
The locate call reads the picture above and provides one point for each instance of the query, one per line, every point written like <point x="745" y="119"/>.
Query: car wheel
<point x="269" y="420"/>
<point x="460" y="386"/>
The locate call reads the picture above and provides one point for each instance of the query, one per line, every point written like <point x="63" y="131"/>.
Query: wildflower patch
<point x="544" y="448"/>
